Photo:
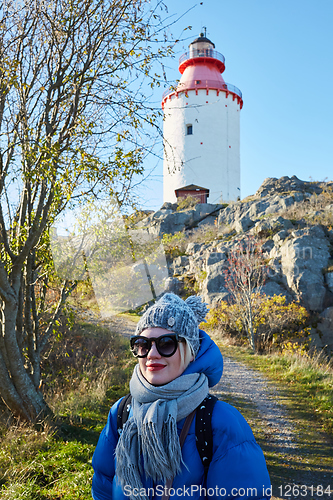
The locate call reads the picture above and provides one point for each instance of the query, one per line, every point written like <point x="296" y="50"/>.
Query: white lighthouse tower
<point x="201" y="129"/>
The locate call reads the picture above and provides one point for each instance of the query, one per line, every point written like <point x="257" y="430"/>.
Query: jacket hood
<point x="209" y="360"/>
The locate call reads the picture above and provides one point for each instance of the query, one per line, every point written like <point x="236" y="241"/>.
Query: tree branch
<point x="65" y="292"/>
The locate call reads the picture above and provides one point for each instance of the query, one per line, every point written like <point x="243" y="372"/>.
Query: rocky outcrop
<point x="293" y="221"/>
<point x="304" y="255"/>
<point x="244" y="215"/>
<point x="169" y="220"/>
<point x="271" y="186"/>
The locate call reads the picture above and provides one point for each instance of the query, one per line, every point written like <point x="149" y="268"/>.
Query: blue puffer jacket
<point x="237" y="470"/>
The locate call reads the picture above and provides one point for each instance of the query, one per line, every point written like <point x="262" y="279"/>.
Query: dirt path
<point x="252" y="393"/>
<point x="238" y="381"/>
<point x="122" y="325"/>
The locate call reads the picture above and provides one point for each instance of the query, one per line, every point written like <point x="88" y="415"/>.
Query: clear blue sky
<point x="279" y="54"/>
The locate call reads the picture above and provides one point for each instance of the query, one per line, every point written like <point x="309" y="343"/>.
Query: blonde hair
<point x="186" y="354"/>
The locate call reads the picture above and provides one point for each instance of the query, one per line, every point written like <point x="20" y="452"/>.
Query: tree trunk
<point x="18" y="390"/>
<point x="250" y="330"/>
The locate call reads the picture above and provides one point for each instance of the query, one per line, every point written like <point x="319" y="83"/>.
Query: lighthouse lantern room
<point x="201" y="128"/>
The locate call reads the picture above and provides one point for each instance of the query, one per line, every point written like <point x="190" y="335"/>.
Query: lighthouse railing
<point x="201" y="53"/>
<point x="203" y="84"/>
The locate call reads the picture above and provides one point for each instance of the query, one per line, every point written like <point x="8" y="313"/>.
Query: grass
<point x="316" y="203"/>
<point x="55" y="463"/>
<point x="305" y="388"/>
<point x="131" y="315"/>
<point x="91" y="367"/>
<point x="309" y="378"/>
<point x="176" y="244"/>
<point x="42" y="467"/>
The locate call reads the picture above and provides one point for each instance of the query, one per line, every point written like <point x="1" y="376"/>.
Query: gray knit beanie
<point x="176" y="315"/>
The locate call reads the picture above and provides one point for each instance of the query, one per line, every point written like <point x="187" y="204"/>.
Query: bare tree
<point x="244" y="278"/>
<point x="72" y="124"/>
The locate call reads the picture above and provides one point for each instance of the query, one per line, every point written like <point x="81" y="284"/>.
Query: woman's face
<point x="156" y="369"/>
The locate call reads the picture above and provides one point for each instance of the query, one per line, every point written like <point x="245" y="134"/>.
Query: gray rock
<point x="193" y="248"/>
<point x="180" y="264"/>
<point x="173" y="285"/>
<point x="298" y="257"/>
<point x="272" y="288"/>
<point x="274" y="268"/>
<point x="215" y="257"/>
<point x="203" y="209"/>
<point x="325" y="327"/>
<point x="271" y="225"/>
<point x="267" y="246"/>
<point x="272" y="185"/>
<point x="169" y="206"/>
<point x="215" y="280"/>
<point x="328" y="314"/>
<point x="303" y="258"/>
<point x="169" y="221"/>
<point x="298" y="196"/>
<point x="259" y="208"/>
<point x="181" y="261"/>
<point x="213" y="299"/>
<point x="279" y="237"/>
<point x="287" y="201"/>
<point x="197" y="264"/>
<point x="208" y="221"/>
<point x="242" y="225"/>
<point x="161" y="214"/>
<point x="226" y="217"/>
<point x="221" y="247"/>
<point x="329" y="280"/>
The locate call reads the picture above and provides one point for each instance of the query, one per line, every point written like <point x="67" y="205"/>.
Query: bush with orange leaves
<point x="275" y="324"/>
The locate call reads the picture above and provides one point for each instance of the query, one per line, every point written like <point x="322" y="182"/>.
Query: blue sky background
<point x="279" y="54"/>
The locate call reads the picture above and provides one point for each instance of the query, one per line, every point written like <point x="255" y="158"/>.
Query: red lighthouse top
<point x="201" y="52"/>
<point x="201" y="68"/>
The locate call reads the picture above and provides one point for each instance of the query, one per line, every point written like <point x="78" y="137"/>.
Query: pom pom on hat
<point x="198" y="307"/>
<point x="173" y="314"/>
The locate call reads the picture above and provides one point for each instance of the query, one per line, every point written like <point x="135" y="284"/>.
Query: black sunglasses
<point x="166" y="345"/>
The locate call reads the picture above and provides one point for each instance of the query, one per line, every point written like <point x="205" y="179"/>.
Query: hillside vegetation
<point x="288" y="226"/>
<point x="92" y="369"/>
<point x="87" y="365"/>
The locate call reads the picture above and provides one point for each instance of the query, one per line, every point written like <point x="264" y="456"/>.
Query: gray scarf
<point x="152" y="430"/>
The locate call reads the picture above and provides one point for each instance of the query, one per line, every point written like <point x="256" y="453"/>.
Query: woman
<point x="177" y="365"/>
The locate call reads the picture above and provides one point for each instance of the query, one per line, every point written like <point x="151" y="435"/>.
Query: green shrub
<point x="188" y="202"/>
<point x="275" y="322"/>
<point x="175" y="244"/>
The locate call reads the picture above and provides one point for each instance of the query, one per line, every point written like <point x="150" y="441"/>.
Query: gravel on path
<point x="242" y="383"/>
<point x="239" y="381"/>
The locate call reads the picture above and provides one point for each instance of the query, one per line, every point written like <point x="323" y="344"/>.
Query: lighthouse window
<point x="189" y="130"/>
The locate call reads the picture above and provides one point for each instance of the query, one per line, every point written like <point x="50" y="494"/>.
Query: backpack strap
<point x="182" y="437"/>
<point x="203" y="425"/>
<point x="204" y="431"/>
<point x="124" y="409"/>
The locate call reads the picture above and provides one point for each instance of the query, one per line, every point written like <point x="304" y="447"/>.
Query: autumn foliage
<point x="244" y="278"/>
<point x="276" y="323"/>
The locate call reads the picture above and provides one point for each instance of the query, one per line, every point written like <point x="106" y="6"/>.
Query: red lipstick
<point x="155" y="367"/>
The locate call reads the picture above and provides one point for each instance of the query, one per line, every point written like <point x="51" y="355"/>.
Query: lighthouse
<point x="201" y="129"/>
